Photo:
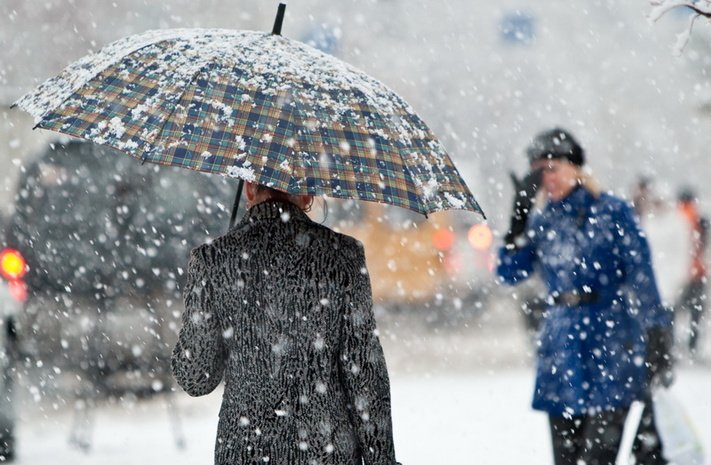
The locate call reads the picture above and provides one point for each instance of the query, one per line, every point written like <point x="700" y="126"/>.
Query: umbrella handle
<point x="279" y="19"/>
<point x="235" y="205"/>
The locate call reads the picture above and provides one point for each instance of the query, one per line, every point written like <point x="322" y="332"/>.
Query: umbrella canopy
<point x="255" y="106"/>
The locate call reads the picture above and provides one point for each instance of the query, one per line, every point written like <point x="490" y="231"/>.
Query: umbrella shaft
<point x="235" y="205"/>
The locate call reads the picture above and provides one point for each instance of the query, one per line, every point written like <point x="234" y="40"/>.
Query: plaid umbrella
<point x="255" y="106"/>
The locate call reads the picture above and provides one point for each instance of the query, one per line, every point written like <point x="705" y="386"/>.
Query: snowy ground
<point x="460" y="396"/>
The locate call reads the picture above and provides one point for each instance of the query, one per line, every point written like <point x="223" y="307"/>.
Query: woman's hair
<point x="589" y="182"/>
<point x="280" y="195"/>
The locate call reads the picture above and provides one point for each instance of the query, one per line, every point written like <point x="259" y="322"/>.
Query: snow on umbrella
<point x="255" y="106"/>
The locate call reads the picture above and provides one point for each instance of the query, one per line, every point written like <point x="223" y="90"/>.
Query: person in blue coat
<point x="606" y="336"/>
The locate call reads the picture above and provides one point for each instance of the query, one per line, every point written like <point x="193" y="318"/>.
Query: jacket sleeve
<point x="516" y="264"/>
<point x="636" y="260"/>
<point x="198" y="357"/>
<point x="363" y="370"/>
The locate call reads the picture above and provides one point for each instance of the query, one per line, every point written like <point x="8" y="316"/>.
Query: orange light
<point x="443" y="239"/>
<point x="12" y="264"/>
<point x="480" y="236"/>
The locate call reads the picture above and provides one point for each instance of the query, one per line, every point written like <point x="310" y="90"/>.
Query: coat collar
<point x="578" y="197"/>
<point x="272" y="209"/>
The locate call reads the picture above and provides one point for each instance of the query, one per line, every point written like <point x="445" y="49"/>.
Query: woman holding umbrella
<point x="592" y="358"/>
<point x="281" y="309"/>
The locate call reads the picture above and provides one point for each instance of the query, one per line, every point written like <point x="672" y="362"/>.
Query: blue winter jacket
<point x="591" y="356"/>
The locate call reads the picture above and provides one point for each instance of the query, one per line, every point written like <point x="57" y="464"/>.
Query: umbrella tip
<point x="279" y="19"/>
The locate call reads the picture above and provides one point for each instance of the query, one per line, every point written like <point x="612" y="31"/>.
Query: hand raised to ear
<point x="524" y="198"/>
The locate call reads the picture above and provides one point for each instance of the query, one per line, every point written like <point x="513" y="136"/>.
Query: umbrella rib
<point x="200" y="69"/>
<point x="302" y="117"/>
<point x="76" y="87"/>
<point x="419" y="188"/>
<point x="422" y="208"/>
<point x="406" y="169"/>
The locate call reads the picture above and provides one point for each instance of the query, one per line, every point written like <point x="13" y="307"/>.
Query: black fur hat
<point x="556" y="143"/>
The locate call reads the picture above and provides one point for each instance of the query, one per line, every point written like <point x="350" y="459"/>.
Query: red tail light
<point x="443" y="239"/>
<point x="12" y="265"/>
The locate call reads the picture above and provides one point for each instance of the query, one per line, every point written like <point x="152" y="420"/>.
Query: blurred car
<point x="104" y="241"/>
<point x="442" y="264"/>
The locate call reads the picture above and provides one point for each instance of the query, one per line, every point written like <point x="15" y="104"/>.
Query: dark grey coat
<point x="281" y="309"/>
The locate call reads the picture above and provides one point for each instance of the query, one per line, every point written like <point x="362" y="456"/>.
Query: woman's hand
<point x="660" y="340"/>
<point x="524" y="198"/>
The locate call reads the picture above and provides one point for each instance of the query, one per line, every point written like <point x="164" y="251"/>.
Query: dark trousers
<point x="7" y="397"/>
<point x="595" y="439"/>
<point x="693" y="300"/>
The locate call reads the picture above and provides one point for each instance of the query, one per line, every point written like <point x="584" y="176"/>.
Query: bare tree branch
<point x="699" y="8"/>
<point x="683" y="37"/>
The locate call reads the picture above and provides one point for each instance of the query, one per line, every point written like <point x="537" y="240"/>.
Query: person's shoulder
<point x="200" y="260"/>
<point x="336" y="239"/>
<point x="344" y="239"/>
<point x="204" y="252"/>
<point x="227" y="240"/>
<point x="352" y="244"/>
<point x="211" y="251"/>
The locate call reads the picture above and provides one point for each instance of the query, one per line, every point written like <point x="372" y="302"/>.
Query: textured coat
<point x="591" y="356"/>
<point x="281" y="309"/>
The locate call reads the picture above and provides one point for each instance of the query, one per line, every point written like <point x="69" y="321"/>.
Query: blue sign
<point x="517" y="28"/>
